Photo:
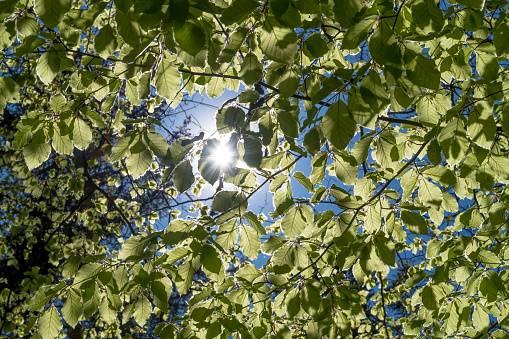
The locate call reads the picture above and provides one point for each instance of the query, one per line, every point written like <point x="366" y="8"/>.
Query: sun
<point x="222" y="155"/>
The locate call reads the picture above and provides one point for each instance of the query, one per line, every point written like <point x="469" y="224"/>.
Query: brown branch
<point x="302" y="97"/>
<point x="383" y="303"/>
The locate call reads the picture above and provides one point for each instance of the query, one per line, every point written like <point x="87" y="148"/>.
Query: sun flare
<point x="222" y="156"/>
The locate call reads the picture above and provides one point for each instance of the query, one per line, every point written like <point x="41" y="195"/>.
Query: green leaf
<point x="345" y="167"/>
<point x="278" y="43"/>
<point x="430" y="297"/>
<point x="105" y="42"/>
<point x="316" y="45"/>
<point x="345" y="11"/>
<point x="211" y="259"/>
<point x="36" y="154"/>
<point x="423" y="72"/>
<point x="108" y="315"/>
<point x="289" y="83"/>
<point x="487" y="66"/>
<point x="337" y="119"/>
<point x="51" y="12"/>
<point x="183" y="176"/>
<point x="224" y="200"/>
<point x="480" y="318"/>
<point x="81" y="135"/>
<point x="304" y="181"/>
<point x="310" y="298"/>
<point x="249" y="242"/>
<point x="49" y="66"/>
<point x="42" y="296"/>
<point x="185" y="272"/>
<point x="288" y="124"/>
<point x="71" y="311"/>
<point x="427" y="15"/>
<point x="128" y="27"/>
<point x="167" y="79"/>
<point x="501" y="38"/>
<point x="177" y="152"/>
<point x="238" y="10"/>
<point x="296" y="220"/>
<point x="142" y="310"/>
<point x="157" y="143"/>
<point x="251" y="69"/>
<point x="190" y="36"/>
<point x="373" y="220"/>
<point x="255" y="223"/>
<point x="385" y="250"/>
<point x="133" y="247"/>
<point x="453" y="141"/>
<point x="252" y="151"/>
<point x="414" y="222"/>
<point x="293" y="302"/>
<point x="27" y="25"/>
<point x="138" y="163"/>
<point x="319" y="162"/>
<point x="229" y="119"/>
<point x="227" y="234"/>
<point x="481" y="127"/>
<point x="49" y="324"/>
<point x="383" y="45"/>
<point x="430" y="194"/>
<point x="357" y="33"/>
<point x="121" y="149"/>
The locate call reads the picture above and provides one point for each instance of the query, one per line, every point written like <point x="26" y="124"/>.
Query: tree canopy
<point x="378" y="128"/>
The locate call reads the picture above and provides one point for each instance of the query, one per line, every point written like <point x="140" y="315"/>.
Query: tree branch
<point x="383" y="303"/>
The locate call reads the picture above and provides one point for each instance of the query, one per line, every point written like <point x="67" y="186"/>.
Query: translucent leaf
<point x="337" y="119"/>
<point x="238" y="10"/>
<point x="36" y="154"/>
<point x="251" y="69"/>
<point x="105" y="42"/>
<point x="190" y="36"/>
<point x="128" y="27"/>
<point x="229" y="119"/>
<point x="383" y="44"/>
<point x="167" y="79"/>
<point x="133" y="247"/>
<point x="414" y="222"/>
<point x="430" y="194"/>
<point x="427" y="15"/>
<point x="71" y="310"/>
<point x="304" y="181"/>
<point x="249" y="242"/>
<point x="49" y="324"/>
<point x="373" y="220"/>
<point x="81" y="135"/>
<point x="453" y="141"/>
<point x="51" y="12"/>
<point x="480" y="318"/>
<point x="139" y="163"/>
<point x="357" y="33"/>
<point x="423" y="72"/>
<point x="296" y="220"/>
<point x="183" y="176"/>
<point x="278" y="43"/>
<point x="481" y="127"/>
<point x="142" y="310"/>
<point x="501" y="38"/>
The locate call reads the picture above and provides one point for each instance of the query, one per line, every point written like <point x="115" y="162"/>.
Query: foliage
<point x="379" y="128"/>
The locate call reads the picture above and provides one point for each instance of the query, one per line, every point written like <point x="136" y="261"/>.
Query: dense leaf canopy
<point x="378" y="128"/>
